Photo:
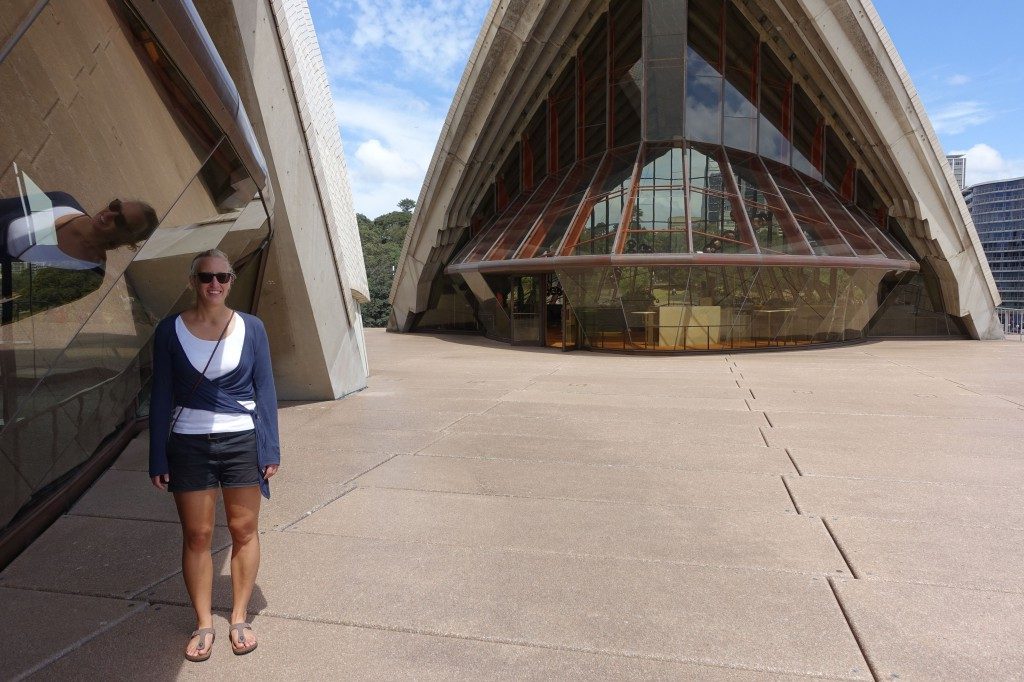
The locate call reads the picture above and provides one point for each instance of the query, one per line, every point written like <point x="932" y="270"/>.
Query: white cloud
<point x="380" y="164"/>
<point x="431" y="37"/>
<point x="393" y="66"/>
<point x="986" y="163"/>
<point x="958" y="79"/>
<point x="394" y="135"/>
<point x="959" y="116"/>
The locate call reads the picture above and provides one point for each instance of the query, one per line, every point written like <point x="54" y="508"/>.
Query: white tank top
<point x="226" y="359"/>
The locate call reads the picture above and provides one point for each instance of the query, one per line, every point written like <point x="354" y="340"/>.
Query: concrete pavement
<point x="496" y="513"/>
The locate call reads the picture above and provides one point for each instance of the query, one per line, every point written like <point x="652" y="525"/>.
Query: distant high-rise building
<point x="998" y="211"/>
<point x="958" y="162"/>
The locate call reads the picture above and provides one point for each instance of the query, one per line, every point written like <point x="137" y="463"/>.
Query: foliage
<point x="41" y="288"/>
<point x="382" y="240"/>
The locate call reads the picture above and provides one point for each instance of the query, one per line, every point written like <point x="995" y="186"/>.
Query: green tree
<point x="382" y="240"/>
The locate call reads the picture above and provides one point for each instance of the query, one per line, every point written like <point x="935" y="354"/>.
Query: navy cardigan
<point x="173" y="379"/>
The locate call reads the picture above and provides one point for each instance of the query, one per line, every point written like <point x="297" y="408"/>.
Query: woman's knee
<point x="198" y="538"/>
<point x="243" y="530"/>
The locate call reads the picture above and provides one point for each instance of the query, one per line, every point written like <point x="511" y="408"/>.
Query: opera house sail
<point x="660" y="175"/>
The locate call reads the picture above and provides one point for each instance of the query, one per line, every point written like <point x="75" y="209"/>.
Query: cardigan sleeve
<point x="266" y="394"/>
<point x="160" y="402"/>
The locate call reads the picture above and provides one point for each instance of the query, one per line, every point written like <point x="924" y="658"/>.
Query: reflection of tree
<point x="52" y="287"/>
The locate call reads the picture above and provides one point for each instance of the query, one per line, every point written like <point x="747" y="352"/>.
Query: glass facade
<point x="113" y="174"/>
<point x="998" y="212"/>
<point x="696" y="197"/>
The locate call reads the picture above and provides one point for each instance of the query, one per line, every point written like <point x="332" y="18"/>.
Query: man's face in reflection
<point x="118" y="217"/>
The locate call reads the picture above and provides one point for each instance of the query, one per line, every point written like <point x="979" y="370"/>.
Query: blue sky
<point x="394" y="66"/>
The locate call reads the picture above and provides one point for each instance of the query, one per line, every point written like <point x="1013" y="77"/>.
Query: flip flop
<point x="203" y="651"/>
<point x="240" y="628"/>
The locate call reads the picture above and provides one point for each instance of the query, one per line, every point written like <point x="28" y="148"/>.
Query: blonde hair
<point x="209" y="253"/>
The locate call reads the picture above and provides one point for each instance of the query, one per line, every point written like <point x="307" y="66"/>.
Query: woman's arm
<point x="266" y="395"/>
<point x="160" y="406"/>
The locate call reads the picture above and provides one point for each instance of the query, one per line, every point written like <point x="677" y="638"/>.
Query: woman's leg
<point x="242" y="506"/>
<point x="196" y="509"/>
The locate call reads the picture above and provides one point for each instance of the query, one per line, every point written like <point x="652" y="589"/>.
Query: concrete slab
<point x="334" y="438"/>
<point x="900" y="463"/>
<point x="736" y="402"/>
<point x="600" y="428"/>
<point x="783" y="542"/>
<point x="910" y="500"/>
<point x="658" y="390"/>
<point x="136" y="456"/>
<point x="415" y="403"/>
<point x="922" y="632"/>
<point x="714" y="457"/>
<point x="979" y="425"/>
<point x="291" y="649"/>
<point x="977" y="438"/>
<point x="711" y="489"/>
<point x="101" y="557"/>
<point x="980" y="557"/>
<point x="27" y="627"/>
<point x="965" y="406"/>
<point x="385" y="421"/>
<point x="628" y="415"/>
<point x="758" y="620"/>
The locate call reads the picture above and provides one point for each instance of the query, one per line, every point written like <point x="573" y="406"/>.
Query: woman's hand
<point x="160" y="482"/>
<point x="270" y="470"/>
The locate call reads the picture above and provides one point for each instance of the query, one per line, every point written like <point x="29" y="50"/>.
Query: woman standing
<point x="213" y="424"/>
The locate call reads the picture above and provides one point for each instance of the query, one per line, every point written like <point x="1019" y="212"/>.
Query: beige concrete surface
<point x="466" y="517"/>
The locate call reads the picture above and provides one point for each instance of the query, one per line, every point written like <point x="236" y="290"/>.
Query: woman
<point x="213" y="424"/>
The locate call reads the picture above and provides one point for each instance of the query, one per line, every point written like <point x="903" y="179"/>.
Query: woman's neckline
<point x="235" y="320"/>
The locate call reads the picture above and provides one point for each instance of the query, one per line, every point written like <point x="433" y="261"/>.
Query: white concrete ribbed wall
<point x="323" y="138"/>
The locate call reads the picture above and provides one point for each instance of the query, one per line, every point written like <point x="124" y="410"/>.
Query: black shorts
<point x="212" y="460"/>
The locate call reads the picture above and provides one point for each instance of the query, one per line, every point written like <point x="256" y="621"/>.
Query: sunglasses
<point x="222" y="277"/>
<point x="117" y="208"/>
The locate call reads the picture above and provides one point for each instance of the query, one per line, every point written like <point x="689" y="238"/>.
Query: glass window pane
<point x="776" y="108"/>
<point x="741" y="45"/>
<point x="627" y="71"/>
<point x="594" y="74"/>
<point x="704" y="71"/>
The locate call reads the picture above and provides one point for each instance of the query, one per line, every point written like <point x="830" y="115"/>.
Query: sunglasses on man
<point x="222" y="277"/>
<point x="117" y="208"/>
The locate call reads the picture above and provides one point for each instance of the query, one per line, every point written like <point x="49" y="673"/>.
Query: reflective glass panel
<point x="740" y="110"/>
<point x="704" y="71"/>
<point x="596" y="233"/>
<point x="627" y="72"/>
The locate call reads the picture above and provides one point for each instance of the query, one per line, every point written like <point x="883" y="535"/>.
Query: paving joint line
<point x="853" y="630"/>
<point x="632" y="503"/>
<point x="607" y="465"/>
<point x="760" y="429"/>
<point x="102" y="630"/>
<point x="768" y="419"/>
<point x="793" y="462"/>
<point x="348" y="482"/>
<point x="839" y="548"/>
<point x="315" y="509"/>
<point x="791" y="497"/>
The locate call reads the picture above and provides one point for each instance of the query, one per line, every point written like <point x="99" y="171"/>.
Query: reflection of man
<point x="54" y="231"/>
<point x="67" y="237"/>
